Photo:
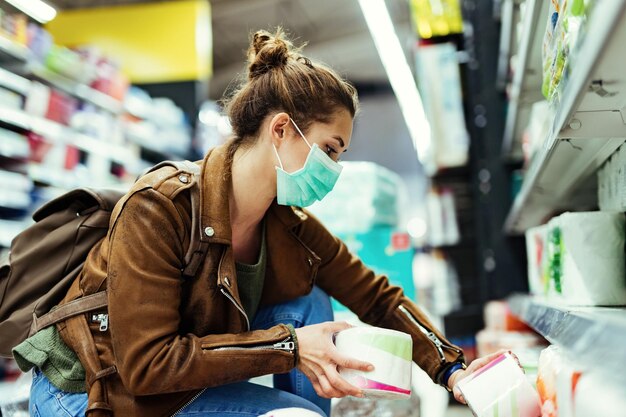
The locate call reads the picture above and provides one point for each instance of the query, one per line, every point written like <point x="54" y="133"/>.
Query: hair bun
<point x="267" y="51"/>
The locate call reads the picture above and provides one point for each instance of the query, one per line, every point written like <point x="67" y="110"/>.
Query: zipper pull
<point x="103" y="319"/>
<point x="286" y="346"/>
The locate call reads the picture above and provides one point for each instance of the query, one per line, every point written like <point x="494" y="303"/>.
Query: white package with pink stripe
<point x="391" y="354"/>
<point x="500" y="389"/>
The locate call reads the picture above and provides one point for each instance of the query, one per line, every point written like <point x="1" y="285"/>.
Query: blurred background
<point x="475" y="130"/>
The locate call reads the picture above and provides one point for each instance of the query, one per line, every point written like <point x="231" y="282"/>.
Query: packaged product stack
<point x="612" y="182"/>
<point x="578" y="259"/>
<point x="443" y="227"/>
<point x="156" y="123"/>
<point x="564" y="28"/>
<point x="365" y="196"/>
<point x="557" y="382"/>
<point x="541" y="116"/>
<point x="504" y="331"/>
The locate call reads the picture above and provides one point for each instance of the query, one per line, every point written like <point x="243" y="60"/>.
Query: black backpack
<point x="47" y="257"/>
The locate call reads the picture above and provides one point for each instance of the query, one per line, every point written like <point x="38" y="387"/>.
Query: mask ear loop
<point x="277" y="157"/>
<point x="300" y="132"/>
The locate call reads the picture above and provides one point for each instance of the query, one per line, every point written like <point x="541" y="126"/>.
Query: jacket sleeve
<point x="144" y="294"/>
<point x="375" y="301"/>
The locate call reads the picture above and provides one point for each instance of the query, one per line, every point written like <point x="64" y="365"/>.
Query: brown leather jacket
<point x="159" y="344"/>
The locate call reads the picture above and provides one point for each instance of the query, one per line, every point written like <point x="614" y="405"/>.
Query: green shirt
<point x="250" y="279"/>
<point x="47" y="351"/>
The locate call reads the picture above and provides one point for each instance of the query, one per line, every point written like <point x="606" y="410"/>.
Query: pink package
<point x="501" y="389"/>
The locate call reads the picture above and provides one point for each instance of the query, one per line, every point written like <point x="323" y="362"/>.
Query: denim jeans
<point x="242" y="399"/>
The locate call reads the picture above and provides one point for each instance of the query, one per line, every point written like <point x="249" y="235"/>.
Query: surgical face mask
<point x="311" y="182"/>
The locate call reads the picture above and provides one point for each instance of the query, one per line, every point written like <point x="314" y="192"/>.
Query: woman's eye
<point x="330" y="150"/>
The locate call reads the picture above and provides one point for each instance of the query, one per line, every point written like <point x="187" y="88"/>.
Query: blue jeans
<point x="242" y="399"/>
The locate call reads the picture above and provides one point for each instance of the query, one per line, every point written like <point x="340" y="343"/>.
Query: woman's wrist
<point x="452" y="371"/>
<point x="453" y="378"/>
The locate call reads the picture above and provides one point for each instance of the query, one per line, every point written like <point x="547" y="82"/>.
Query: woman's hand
<point x="319" y="359"/>
<point x="473" y="367"/>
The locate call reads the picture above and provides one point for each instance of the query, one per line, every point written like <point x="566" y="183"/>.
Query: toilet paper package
<point x="391" y="354"/>
<point x="536" y="252"/>
<point x="586" y="258"/>
<point x="500" y="389"/>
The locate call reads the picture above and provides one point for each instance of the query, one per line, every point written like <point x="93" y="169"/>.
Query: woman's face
<point x="333" y="138"/>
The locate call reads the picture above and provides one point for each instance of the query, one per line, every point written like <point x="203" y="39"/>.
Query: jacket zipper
<point x="232" y="300"/>
<point x="189" y="402"/>
<point x="286" y="346"/>
<point x="429" y="334"/>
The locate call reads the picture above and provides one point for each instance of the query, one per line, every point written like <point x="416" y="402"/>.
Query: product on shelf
<point x="440" y="86"/>
<point x="557" y="382"/>
<point x="365" y="196"/>
<point x="564" y="28"/>
<point x="13" y="145"/>
<point x="390" y="352"/>
<point x="14" y="27"/>
<point x="538" y="129"/>
<point x="586" y="258"/>
<point x="500" y="389"/>
<point x="498" y="316"/>
<point x="491" y="341"/>
<point x="612" y="182"/>
<point x="537" y="254"/>
<point x="436" y="282"/>
<point x="443" y="227"/>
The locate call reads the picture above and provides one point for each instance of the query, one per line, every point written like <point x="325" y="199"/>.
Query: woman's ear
<point x="278" y="128"/>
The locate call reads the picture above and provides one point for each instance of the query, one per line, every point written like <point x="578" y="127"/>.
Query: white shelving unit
<point x="59" y="133"/>
<point x="589" y="125"/>
<point x="526" y="86"/>
<point x="595" y="336"/>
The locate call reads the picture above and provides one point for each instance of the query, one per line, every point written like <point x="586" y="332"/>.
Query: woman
<point x="259" y="304"/>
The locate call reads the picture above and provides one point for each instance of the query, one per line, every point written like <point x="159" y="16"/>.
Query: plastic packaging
<point x="537" y="254"/>
<point x="391" y="354"/>
<point x="586" y="258"/>
<point x="500" y="389"/>
<point x="557" y="382"/>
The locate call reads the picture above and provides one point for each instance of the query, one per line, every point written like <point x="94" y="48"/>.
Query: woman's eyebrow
<point x="341" y="142"/>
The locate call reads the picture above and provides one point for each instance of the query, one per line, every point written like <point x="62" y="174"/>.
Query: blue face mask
<point x="311" y="182"/>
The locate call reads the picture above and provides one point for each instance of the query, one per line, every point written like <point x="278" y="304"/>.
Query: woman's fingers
<point x="341" y="384"/>
<point x="351" y="363"/>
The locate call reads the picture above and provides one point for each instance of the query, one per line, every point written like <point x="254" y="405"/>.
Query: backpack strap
<point x="196" y="253"/>
<point x="73" y="308"/>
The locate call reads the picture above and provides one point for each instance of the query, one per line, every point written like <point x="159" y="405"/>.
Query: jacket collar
<point x="214" y="201"/>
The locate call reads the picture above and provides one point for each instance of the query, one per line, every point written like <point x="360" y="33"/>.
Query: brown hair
<point x="280" y="78"/>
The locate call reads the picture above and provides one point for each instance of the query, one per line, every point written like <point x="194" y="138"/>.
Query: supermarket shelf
<point x="595" y="336"/>
<point x="12" y="52"/>
<point x="59" y="133"/>
<point x="14" y="82"/>
<point x="76" y="89"/>
<point x="589" y="125"/>
<point x="526" y="87"/>
<point x="508" y="42"/>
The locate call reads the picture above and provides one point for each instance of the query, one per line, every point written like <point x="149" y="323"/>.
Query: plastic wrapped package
<point x="612" y="182"/>
<point x="438" y="72"/>
<point x="492" y="341"/>
<point x="594" y="395"/>
<point x="498" y="316"/>
<point x="368" y="195"/>
<point x="500" y="389"/>
<point x="557" y="382"/>
<point x="390" y="352"/>
<point x="586" y="258"/>
<point x="536" y="252"/>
